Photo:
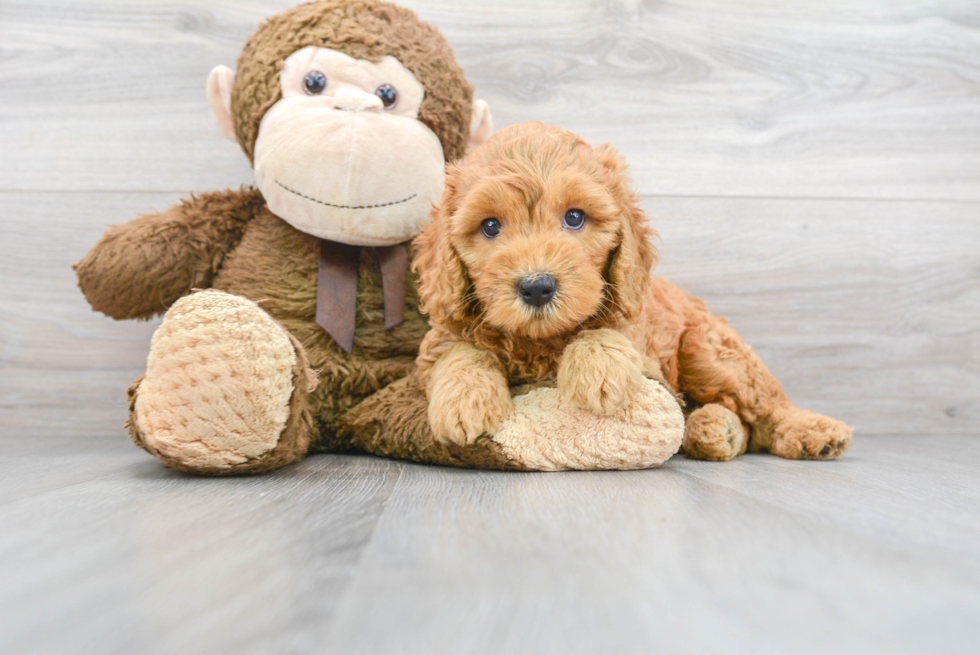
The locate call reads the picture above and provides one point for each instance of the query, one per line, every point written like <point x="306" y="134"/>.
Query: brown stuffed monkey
<point x="291" y="303"/>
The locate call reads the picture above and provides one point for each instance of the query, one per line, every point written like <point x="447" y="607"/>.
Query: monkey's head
<point x="349" y="111"/>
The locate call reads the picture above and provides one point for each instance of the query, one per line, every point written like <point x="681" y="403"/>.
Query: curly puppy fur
<point x="609" y="323"/>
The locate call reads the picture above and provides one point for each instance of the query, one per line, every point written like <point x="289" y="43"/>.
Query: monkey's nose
<point x="537" y="290"/>
<point x="356" y="100"/>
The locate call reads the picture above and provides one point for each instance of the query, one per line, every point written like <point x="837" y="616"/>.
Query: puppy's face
<point x="535" y="245"/>
<point x="543" y="230"/>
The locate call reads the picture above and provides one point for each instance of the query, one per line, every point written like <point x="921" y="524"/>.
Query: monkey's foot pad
<point x="544" y="432"/>
<point x="548" y="433"/>
<point x="218" y="383"/>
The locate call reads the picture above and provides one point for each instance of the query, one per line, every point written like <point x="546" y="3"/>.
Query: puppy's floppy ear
<point x="635" y="256"/>
<point x="442" y="278"/>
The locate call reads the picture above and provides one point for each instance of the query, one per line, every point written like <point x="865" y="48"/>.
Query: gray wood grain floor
<point x="102" y="550"/>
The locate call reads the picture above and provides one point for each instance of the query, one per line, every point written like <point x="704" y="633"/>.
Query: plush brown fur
<point x="610" y="322"/>
<point x="394" y="423"/>
<point x="137" y="270"/>
<point x="544" y="432"/>
<point x="229" y="241"/>
<point x="363" y="29"/>
<point x="272" y="263"/>
<point x="276" y="265"/>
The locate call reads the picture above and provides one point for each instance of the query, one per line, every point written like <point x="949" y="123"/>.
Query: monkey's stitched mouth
<point x="330" y="204"/>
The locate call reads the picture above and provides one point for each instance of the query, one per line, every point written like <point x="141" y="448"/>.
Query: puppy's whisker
<point x="604" y="313"/>
<point x="478" y="325"/>
<point x="611" y="303"/>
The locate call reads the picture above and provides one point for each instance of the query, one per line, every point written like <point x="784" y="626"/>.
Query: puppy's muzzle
<point x="537" y="290"/>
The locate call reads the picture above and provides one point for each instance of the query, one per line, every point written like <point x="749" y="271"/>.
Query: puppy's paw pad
<point x="714" y="433"/>
<point x="801" y="434"/>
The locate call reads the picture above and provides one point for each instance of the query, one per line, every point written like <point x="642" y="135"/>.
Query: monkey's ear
<point x="220" y="82"/>
<point x="481" y="127"/>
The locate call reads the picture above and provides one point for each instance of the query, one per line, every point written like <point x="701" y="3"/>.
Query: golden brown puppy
<point x="537" y="265"/>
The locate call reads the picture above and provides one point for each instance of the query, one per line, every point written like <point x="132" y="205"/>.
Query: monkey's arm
<point x="138" y="269"/>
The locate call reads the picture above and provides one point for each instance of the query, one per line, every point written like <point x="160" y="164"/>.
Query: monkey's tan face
<point x="343" y="156"/>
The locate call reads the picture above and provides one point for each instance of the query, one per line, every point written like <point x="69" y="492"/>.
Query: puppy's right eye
<point x="490" y="228"/>
<point x="574" y="219"/>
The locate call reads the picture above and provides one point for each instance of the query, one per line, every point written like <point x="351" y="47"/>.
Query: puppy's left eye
<point x="574" y="219"/>
<point x="490" y="228"/>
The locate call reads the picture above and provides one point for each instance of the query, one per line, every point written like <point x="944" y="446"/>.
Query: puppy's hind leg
<point x="715" y="433"/>
<point x="716" y="366"/>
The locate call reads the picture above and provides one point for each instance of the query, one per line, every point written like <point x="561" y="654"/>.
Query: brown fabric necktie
<point x="336" y="288"/>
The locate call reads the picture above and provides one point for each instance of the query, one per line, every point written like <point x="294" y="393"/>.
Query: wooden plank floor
<point x="103" y="550"/>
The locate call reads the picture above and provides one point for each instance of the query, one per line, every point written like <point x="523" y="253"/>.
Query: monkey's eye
<point x="490" y="228"/>
<point x="315" y="82"/>
<point x="388" y="95"/>
<point x="574" y="219"/>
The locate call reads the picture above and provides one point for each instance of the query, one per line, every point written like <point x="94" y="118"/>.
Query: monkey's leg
<point x="225" y="390"/>
<point x="717" y="367"/>
<point x="545" y="432"/>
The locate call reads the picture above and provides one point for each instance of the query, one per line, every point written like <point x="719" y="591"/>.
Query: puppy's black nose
<point x="537" y="290"/>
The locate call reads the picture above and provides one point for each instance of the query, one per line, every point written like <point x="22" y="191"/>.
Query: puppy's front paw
<point x="460" y="412"/>
<point x="600" y="371"/>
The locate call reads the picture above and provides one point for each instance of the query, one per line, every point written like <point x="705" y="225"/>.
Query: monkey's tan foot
<point x="549" y="432"/>
<point x="225" y="389"/>
<point x="802" y="434"/>
<point x="715" y="433"/>
<point x="544" y="431"/>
